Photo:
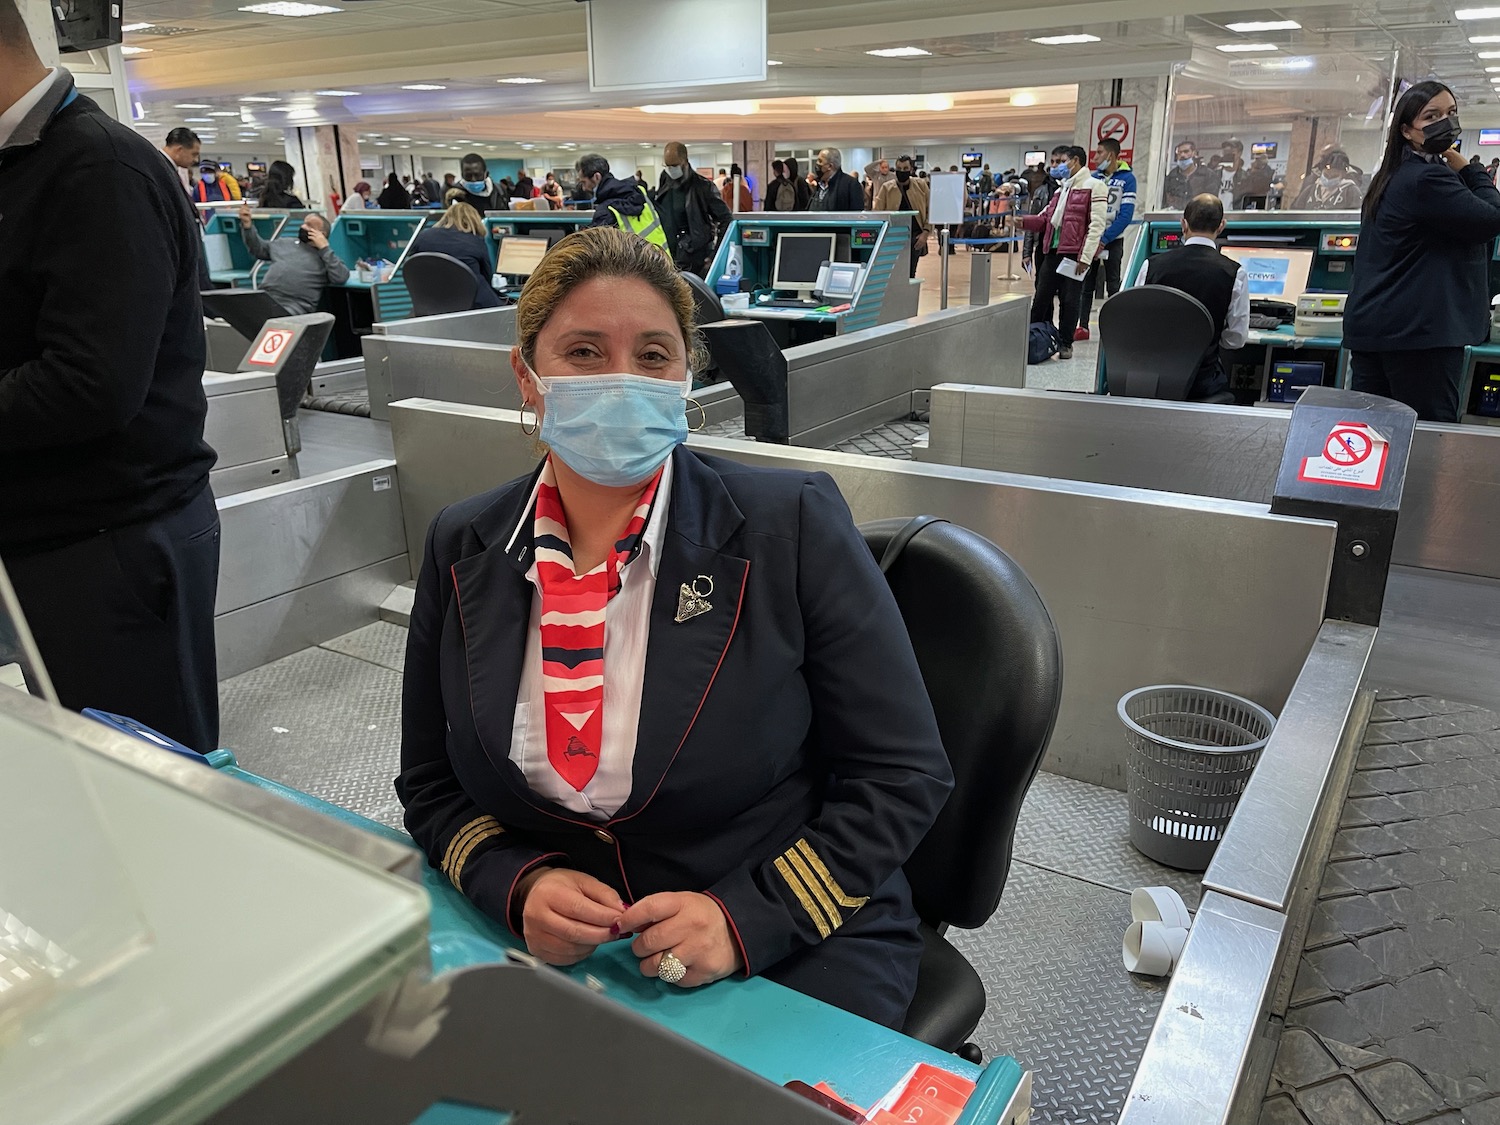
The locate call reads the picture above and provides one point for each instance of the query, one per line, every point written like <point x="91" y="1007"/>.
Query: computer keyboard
<point x="790" y="303"/>
<point x="1264" y="323"/>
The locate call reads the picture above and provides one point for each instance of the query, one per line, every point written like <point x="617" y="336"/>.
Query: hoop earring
<point x="702" y="415"/>
<point x="535" y="420"/>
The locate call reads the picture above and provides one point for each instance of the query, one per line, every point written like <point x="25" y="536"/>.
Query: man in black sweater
<point x="107" y="525"/>
<point x="1199" y="270"/>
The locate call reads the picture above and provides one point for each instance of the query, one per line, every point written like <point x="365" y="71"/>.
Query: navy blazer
<point x="470" y="249"/>
<point x="787" y="760"/>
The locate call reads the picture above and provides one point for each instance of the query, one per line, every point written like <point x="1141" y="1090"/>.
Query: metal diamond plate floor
<point x="1395" y="1013"/>
<point x="326" y="720"/>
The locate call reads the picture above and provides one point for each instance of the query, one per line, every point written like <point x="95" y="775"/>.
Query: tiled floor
<point x="326" y="720"/>
<point x="1395" y="1013"/>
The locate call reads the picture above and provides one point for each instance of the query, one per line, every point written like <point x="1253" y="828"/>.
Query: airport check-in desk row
<point x="1304" y="262"/>
<point x="1145" y="553"/>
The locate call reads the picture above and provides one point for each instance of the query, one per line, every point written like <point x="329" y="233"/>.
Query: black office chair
<point x="706" y="304"/>
<point x="246" y="310"/>
<point x="438" y="283"/>
<point x="1152" y="339"/>
<point x="992" y="664"/>
<point x="745" y="353"/>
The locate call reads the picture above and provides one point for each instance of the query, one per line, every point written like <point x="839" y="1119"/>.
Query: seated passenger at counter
<point x="1200" y="270"/>
<point x="302" y="268"/>
<point x="650" y="692"/>
<point x="460" y="234"/>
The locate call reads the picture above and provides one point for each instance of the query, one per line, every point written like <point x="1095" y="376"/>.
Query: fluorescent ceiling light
<point x="886" y="103"/>
<point x="249" y="98"/>
<point x="135" y="50"/>
<point x="728" y="109"/>
<point x="284" y="8"/>
<point x="136" y="26"/>
<point x="338" y="93"/>
<point x="1478" y="13"/>
<point x="1265" y="25"/>
<point x="520" y="81"/>
<point x="1064" y="40"/>
<point x="400" y="138"/>
<point x="196" y="120"/>
<point x="301" y="115"/>
<point x="423" y="86"/>
<point x="1243" y="48"/>
<point x="1484" y="39"/>
<point x="1489" y="54"/>
<point x="773" y="62"/>
<point x="223" y="113"/>
<point x="1023" y="98"/>
<point x="898" y="52"/>
<point x="1300" y="63"/>
<point x="190" y="105"/>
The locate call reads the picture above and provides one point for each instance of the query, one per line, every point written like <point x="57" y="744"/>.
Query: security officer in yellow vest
<point x="619" y="203"/>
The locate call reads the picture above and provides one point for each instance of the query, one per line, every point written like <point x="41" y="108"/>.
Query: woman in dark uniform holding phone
<point x="1421" y="272"/>
<point x="656" y="693"/>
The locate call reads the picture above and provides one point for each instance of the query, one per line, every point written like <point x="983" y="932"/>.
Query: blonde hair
<point x="460" y="216"/>
<point x="603" y="252"/>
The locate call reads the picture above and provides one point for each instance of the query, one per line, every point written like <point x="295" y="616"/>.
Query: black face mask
<point x="1440" y="135"/>
<point x="902" y="177"/>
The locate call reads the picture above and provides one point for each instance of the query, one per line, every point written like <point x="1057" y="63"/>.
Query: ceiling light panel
<point x="423" y="86"/>
<point x="898" y="52"/>
<point x="1478" y="13"/>
<point x="1246" y="48"/>
<point x="338" y="93"/>
<point x="285" y="8"/>
<point x="1256" y="26"/>
<point x="1065" y="40"/>
<point x="135" y="50"/>
<point x="521" y="81"/>
<point x="256" y="99"/>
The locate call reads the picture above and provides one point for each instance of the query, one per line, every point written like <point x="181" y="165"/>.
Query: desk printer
<point x="1320" y="314"/>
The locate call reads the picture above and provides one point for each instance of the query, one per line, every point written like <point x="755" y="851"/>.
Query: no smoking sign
<point x="269" y="347"/>
<point x="1114" y="123"/>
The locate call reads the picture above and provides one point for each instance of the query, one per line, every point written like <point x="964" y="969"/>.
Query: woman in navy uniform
<point x="654" y="692"/>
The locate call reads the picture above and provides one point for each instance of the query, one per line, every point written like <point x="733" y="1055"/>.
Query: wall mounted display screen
<point x="1489" y="136"/>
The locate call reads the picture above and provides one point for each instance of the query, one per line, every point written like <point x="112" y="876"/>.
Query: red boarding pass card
<point x="938" y="1085"/>
<point x="914" y="1109"/>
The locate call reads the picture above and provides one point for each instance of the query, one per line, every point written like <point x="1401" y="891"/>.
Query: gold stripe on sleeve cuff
<point x="803" y="897"/>
<point x="461" y="838"/>
<point x="818" y="893"/>
<point x="839" y="896"/>
<point x="463" y="857"/>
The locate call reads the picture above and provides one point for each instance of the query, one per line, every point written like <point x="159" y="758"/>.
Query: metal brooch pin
<point x="692" y="602"/>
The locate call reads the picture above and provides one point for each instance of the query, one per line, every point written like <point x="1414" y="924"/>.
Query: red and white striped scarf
<point x="573" y="629"/>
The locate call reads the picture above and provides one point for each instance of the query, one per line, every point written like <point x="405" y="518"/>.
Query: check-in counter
<point x="877" y="241"/>
<point x="552" y="225"/>
<point x="229" y="262"/>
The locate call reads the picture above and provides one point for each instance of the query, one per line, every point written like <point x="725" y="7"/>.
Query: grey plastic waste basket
<point x="1192" y="750"/>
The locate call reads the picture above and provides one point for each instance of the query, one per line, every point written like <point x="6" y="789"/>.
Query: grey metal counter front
<point x="1230" y="452"/>
<point x="837" y="387"/>
<point x="1121" y="570"/>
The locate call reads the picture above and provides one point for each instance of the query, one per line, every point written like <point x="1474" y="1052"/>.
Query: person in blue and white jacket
<point x="1118" y="213"/>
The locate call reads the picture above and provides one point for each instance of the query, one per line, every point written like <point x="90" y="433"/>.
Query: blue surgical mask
<point x="1184" y="164"/>
<point x="1058" y="171"/>
<point x="676" y="171"/>
<point x="477" y="187"/>
<point x="1328" y="181"/>
<point x="615" y="430"/>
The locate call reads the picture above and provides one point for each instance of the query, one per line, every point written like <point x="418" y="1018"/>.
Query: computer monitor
<point x="519" y="255"/>
<point x="1275" y="274"/>
<point x="798" y="259"/>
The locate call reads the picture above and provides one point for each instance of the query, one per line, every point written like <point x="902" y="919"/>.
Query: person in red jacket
<point x="1070" y="228"/>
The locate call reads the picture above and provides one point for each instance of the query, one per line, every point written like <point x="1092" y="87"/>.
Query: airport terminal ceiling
<point x="502" y="72"/>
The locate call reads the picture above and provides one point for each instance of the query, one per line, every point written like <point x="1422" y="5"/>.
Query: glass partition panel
<point x="1276" y="128"/>
<point x="20" y="664"/>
